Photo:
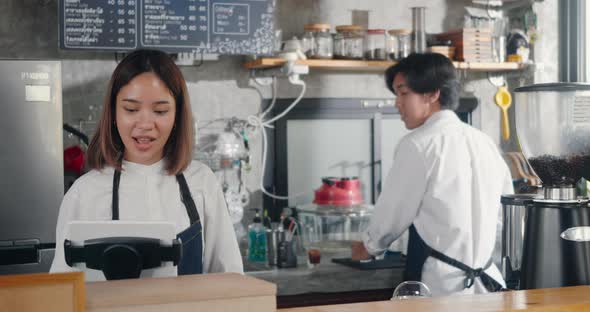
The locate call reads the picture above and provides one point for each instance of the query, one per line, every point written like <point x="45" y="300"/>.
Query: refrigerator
<point x="31" y="163"/>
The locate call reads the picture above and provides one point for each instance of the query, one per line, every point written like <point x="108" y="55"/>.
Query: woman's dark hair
<point x="106" y="147"/>
<point x="428" y="72"/>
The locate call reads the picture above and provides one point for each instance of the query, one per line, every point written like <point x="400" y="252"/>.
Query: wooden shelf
<point x="360" y="65"/>
<point x="506" y="66"/>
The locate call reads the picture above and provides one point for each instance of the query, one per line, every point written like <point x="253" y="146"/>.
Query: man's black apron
<point x="419" y="251"/>
<point x="192" y="244"/>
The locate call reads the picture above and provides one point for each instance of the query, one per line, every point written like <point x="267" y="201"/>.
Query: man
<point x="445" y="185"/>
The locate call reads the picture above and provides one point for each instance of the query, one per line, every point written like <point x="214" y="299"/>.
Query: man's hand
<point x="359" y="252"/>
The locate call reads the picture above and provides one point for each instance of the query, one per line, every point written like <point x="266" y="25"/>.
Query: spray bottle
<point x="257" y="239"/>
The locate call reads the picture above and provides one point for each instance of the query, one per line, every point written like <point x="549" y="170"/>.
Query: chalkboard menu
<point x="210" y="26"/>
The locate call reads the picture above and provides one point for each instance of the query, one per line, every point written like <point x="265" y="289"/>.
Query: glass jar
<point x="320" y="44"/>
<point x="375" y="45"/>
<point x="399" y="43"/>
<point x="348" y="42"/>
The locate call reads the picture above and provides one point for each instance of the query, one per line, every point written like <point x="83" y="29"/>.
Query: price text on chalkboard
<point x="210" y="26"/>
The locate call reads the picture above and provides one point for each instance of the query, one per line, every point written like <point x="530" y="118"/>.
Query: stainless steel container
<point x="274" y="236"/>
<point x="514" y="219"/>
<point x="418" y="30"/>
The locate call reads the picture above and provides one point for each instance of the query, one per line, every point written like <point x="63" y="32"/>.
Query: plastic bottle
<point x="257" y="240"/>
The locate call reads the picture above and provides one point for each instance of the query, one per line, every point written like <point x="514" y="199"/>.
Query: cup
<point x="273" y="237"/>
<point x="313" y="257"/>
<point x="286" y="257"/>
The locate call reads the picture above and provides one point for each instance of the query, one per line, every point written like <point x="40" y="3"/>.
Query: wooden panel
<point x="180" y="292"/>
<point x="262" y="303"/>
<point x="541" y="300"/>
<point x="42" y="292"/>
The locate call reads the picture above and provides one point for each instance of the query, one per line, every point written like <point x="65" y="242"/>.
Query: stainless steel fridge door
<point x="31" y="161"/>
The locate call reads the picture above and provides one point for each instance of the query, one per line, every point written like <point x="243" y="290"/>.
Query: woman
<point x="142" y="168"/>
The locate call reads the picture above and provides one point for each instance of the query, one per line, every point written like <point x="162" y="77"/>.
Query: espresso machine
<point x="553" y="129"/>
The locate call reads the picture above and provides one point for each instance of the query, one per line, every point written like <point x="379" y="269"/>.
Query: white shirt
<point x="148" y="193"/>
<point x="447" y="178"/>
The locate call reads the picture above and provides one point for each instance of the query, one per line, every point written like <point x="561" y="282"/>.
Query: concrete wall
<point x="221" y="89"/>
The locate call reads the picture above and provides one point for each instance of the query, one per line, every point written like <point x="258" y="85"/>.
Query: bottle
<point x="257" y="240"/>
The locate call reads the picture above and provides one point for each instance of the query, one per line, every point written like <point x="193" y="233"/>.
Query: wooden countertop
<point x="202" y="292"/>
<point x="567" y="299"/>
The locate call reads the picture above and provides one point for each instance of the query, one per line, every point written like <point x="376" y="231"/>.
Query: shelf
<point x="506" y="66"/>
<point x="360" y="65"/>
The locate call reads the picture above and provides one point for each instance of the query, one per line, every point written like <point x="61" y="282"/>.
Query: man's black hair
<point x="428" y="72"/>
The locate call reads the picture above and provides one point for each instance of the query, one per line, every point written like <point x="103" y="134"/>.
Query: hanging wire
<point x="201" y="61"/>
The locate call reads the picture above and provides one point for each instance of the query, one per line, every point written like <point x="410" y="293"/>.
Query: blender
<point x="553" y="128"/>
<point x="336" y="217"/>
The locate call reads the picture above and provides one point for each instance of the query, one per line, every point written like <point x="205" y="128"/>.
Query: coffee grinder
<point x="553" y="128"/>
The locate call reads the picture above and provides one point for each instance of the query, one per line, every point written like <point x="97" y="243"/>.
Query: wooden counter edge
<point x="187" y="288"/>
<point x="568" y="299"/>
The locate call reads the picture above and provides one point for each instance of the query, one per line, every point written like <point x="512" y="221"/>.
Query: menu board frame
<point x="230" y="27"/>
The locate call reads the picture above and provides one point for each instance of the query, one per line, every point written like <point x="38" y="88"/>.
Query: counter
<point x="568" y="299"/>
<point x="328" y="283"/>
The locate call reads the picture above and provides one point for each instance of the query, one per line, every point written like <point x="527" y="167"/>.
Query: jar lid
<point x="400" y="32"/>
<point x="376" y="31"/>
<point x="348" y="28"/>
<point x="317" y="26"/>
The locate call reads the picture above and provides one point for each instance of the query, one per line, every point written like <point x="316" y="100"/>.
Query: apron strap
<point x="115" y="200"/>
<point x="471" y="273"/>
<point x="187" y="199"/>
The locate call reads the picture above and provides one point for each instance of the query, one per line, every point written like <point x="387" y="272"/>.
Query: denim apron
<point x="419" y="251"/>
<point x="191" y="261"/>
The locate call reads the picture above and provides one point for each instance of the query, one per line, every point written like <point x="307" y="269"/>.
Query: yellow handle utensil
<point x="504" y="100"/>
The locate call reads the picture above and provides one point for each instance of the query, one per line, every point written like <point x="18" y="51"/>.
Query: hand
<point x="359" y="252"/>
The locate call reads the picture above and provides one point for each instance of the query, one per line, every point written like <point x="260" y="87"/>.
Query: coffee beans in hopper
<point x="561" y="171"/>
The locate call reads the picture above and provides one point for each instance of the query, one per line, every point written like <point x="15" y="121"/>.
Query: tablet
<point x="79" y="231"/>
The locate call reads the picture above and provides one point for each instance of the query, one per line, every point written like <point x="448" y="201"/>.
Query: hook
<point x="496" y="80"/>
<point x="488" y="5"/>
<point x="461" y="74"/>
